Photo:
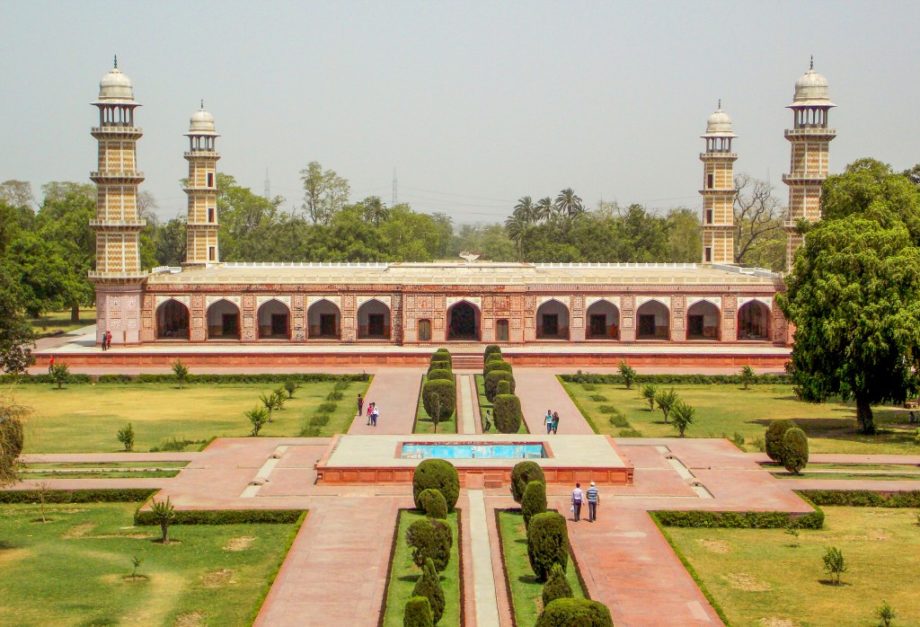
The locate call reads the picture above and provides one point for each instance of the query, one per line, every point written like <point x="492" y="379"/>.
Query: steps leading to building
<point x="467" y="361"/>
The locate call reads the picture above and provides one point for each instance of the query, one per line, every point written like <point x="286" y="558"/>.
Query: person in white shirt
<point x="577" y="497"/>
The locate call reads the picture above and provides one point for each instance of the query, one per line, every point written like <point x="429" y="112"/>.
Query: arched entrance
<point x="654" y="321"/>
<point x="373" y="321"/>
<point x="324" y="321"/>
<point x="703" y="321"/>
<point x="603" y="321"/>
<point x="754" y="321"/>
<point x="463" y="322"/>
<point x="223" y="321"/>
<point x="552" y="321"/>
<point x="274" y="321"/>
<point x="172" y="321"/>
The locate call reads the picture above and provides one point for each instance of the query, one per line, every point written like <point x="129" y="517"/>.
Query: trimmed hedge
<point x="571" y="612"/>
<point x="491" y="349"/>
<point x="556" y="586"/>
<point x="418" y="613"/>
<point x="429" y="586"/>
<point x="192" y="378"/>
<point x="795" y="450"/>
<point x="547" y="543"/>
<point x="439" y="364"/>
<point x="430" y="539"/>
<point x="861" y="498"/>
<point x="774" y="445"/>
<point x="433" y="503"/>
<point x="741" y="520"/>
<point x="123" y="495"/>
<point x="506" y="411"/>
<point x="439" y="475"/>
<point x="534" y="501"/>
<point x="521" y="475"/>
<point x="504" y="387"/>
<point x="443" y="389"/>
<point x="615" y="379"/>
<point x="441" y="374"/>
<point x="491" y="383"/>
<point x="224" y="516"/>
<point x="496" y="363"/>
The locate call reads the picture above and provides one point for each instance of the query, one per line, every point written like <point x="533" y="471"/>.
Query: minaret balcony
<point x="200" y="188"/>
<point x="113" y="176"/>
<point x="810" y="132"/>
<point x="118" y="225"/>
<point x="137" y="275"/>
<point x="716" y="191"/>
<point x="202" y="225"/>
<point x="202" y="154"/>
<point x="116" y="130"/>
<point x="727" y="156"/>
<point x="804" y="178"/>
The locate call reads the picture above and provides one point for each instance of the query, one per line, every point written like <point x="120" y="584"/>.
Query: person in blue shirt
<point x="548" y="419"/>
<point x="593" y="499"/>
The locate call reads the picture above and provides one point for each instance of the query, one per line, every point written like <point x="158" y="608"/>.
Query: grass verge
<point x="404" y="573"/>
<point x="423" y="423"/>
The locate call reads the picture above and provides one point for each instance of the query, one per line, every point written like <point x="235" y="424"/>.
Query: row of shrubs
<point x="548" y="553"/>
<point x="112" y="495"/>
<point x="618" y="379"/>
<point x="190" y="378"/>
<point x="786" y="444"/>
<point x="439" y="390"/>
<point x="499" y="386"/>
<point x="740" y="520"/>
<point x="222" y="517"/>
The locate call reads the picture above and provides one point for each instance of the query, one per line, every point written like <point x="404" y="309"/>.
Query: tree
<point x="429" y="539"/>
<point x="258" y="417"/>
<point x="557" y="587"/>
<point x="325" y="192"/>
<point x="684" y="241"/>
<point x="534" y="501"/>
<point x="16" y="336"/>
<point x="682" y="416"/>
<point x="547" y="543"/>
<point x="17" y="194"/>
<point x="569" y="612"/>
<point x="170" y="243"/>
<point x="854" y="298"/>
<point x="795" y="450"/>
<point x="126" y="437"/>
<point x="543" y="210"/>
<point x="648" y="393"/>
<point x="11" y="440"/>
<point x="834" y="563"/>
<point x="181" y="372"/>
<point x="440" y="475"/>
<point x="521" y="475"/>
<point x="60" y="374"/>
<point x="568" y="204"/>
<point x="507" y="413"/>
<point x="429" y="586"/>
<point x="628" y="374"/>
<point x="418" y="613"/>
<point x="268" y="404"/>
<point x="164" y="514"/>
<point x="433" y="503"/>
<point x="773" y="439"/>
<point x="885" y="614"/>
<point x="666" y="400"/>
<point x="758" y="218"/>
<point x="747" y="376"/>
<point x="375" y="211"/>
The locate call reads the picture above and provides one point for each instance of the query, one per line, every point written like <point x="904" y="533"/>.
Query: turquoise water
<point x="473" y="451"/>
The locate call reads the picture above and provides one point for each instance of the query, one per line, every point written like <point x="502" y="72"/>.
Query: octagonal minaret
<point x="201" y="187"/>
<point x="718" y="219"/>
<point x="118" y="274"/>
<point x="810" y="138"/>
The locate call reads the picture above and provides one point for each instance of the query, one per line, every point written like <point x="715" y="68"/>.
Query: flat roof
<point x="460" y="273"/>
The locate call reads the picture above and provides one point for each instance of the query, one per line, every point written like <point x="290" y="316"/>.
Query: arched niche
<point x="373" y="321"/>
<point x="703" y="321"/>
<point x="463" y="322"/>
<point x="172" y="320"/>
<point x="552" y="321"/>
<point x="223" y="321"/>
<point x="754" y="321"/>
<point x="653" y="321"/>
<point x="274" y="320"/>
<point x="603" y="319"/>
<point x="324" y="321"/>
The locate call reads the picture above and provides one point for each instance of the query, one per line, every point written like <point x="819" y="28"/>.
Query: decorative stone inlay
<point x="185" y="299"/>
<point x="285" y="299"/>
<point x="473" y="300"/>
<point x="386" y="300"/>
<point x="210" y="300"/>
<point x="743" y="300"/>
<point x="664" y="300"/>
<point x="335" y="300"/>
<point x="715" y="300"/>
<point x="565" y="300"/>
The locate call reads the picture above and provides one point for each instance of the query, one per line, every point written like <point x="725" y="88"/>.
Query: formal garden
<point x="175" y="413"/>
<point x="499" y="406"/>
<point x="437" y="401"/>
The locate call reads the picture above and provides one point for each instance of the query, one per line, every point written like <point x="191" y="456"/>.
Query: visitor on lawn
<point x="577" y="497"/>
<point x="593" y="499"/>
<point x="548" y="419"/>
<point x="555" y="422"/>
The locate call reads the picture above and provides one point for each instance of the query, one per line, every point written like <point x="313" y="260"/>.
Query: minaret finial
<point x="811" y="63"/>
<point x="202" y="104"/>
<point x="719" y="107"/>
<point x="116" y="61"/>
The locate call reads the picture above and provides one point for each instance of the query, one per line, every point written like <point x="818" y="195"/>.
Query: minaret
<point x="201" y="187"/>
<point x="718" y="191"/>
<point x="810" y="138"/>
<point x="118" y="274"/>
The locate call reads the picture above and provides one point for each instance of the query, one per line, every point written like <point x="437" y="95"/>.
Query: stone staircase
<point x="467" y="361"/>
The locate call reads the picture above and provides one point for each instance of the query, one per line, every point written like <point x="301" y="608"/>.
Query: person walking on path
<point x="370" y="410"/>
<point x="51" y="365"/>
<point x="555" y="422"/>
<point x="548" y="419"/>
<point x="577" y="497"/>
<point x="360" y="404"/>
<point x="375" y="414"/>
<point x="593" y="499"/>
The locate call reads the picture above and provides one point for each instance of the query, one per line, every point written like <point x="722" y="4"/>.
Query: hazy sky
<point x="474" y="103"/>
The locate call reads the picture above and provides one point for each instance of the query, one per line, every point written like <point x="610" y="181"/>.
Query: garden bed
<point x="423" y="423"/>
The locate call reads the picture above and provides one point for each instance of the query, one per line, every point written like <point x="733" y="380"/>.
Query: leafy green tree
<point x="747" y="376"/>
<point x="60" y="374"/>
<point x="418" y="613"/>
<point x="374" y="210"/>
<point x="649" y="392"/>
<point x="16" y="337"/>
<point x="795" y="450"/>
<point x="164" y="514"/>
<point x="126" y="437"/>
<point x="325" y="192"/>
<point x="430" y="539"/>
<point x="682" y="416"/>
<point x="11" y="440"/>
<point x="258" y="417"/>
<point x="557" y="587"/>
<point x="429" y="586"/>
<point x="666" y="400"/>
<point x="854" y="297"/>
<point x="628" y="374"/>
<point x="170" y="243"/>
<point x="684" y="241"/>
<point x="522" y="474"/>
<point x="534" y="501"/>
<point x="834" y="563"/>
<point x="568" y="204"/>
<point x="181" y="371"/>
<point x="249" y="223"/>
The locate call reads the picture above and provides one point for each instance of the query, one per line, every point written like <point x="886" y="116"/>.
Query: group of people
<point x="590" y="496"/>
<point x="106" y="340"/>
<point x="552" y="421"/>
<point x="372" y="412"/>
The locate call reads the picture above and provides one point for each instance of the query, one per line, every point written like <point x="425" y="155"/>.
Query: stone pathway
<point x="539" y="390"/>
<point x="481" y="552"/>
<point x="466" y="418"/>
<point x="395" y="390"/>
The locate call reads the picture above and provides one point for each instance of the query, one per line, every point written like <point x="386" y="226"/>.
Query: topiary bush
<point x="430" y="539"/>
<point x="440" y="394"/>
<point x="774" y="438"/>
<point x="433" y="503"/>
<point x="418" y="613"/>
<point x="547" y="543"/>
<point x="521" y="475"/>
<point x="439" y="475"/>
<point x="504" y="387"/>
<point x="556" y="586"/>
<point x="795" y="450"/>
<point x="580" y="612"/>
<point x="429" y="586"/>
<point x="440" y="374"/>
<point x="439" y="365"/>
<point x="496" y="363"/>
<point x="534" y="501"/>
<point x="491" y="349"/>
<point x="491" y="383"/>
<point x="506" y="410"/>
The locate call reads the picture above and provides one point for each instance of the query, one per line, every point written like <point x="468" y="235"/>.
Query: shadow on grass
<point x="832" y="583"/>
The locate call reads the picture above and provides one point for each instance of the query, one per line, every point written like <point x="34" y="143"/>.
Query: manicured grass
<point x="106" y="465"/>
<point x="725" y="409"/>
<point x="782" y="474"/>
<point x="74" y="569"/>
<point x="86" y="418"/>
<point x="403" y="575"/>
<point x="55" y="322"/>
<point x="28" y="472"/>
<point x="486" y="406"/>
<point x="759" y="577"/>
<point x="423" y="423"/>
<point x="526" y="591"/>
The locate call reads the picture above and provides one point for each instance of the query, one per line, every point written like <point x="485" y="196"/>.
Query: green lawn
<point x="863" y="476"/>
<point x="722" y="410"/>
<point x="486" y="406"/>
<point x="54" y="322"/>
<point x="423" y="422"/>
<point x="103" y="470"/>
<point x="73" y="570"/>
<point x="760" y="578"/>
<point x="526" y="591"/>
<point x="86" y="418"/>
<point x="403" y="575"/>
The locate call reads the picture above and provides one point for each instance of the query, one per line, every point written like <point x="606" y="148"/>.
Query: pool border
<point x="546" y="449"/>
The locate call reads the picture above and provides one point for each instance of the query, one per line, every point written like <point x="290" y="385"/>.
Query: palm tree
<point x="374" y="210"/>
<point x="544" y="209"/>
<point x="568" y="203"/>
<point x="526" y="210"/>
<point x="516" y="228"/>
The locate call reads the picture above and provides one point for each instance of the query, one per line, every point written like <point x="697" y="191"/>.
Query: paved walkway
<point x="395" y="390"/>
<point x="539" y="390"/>
<point x="466" y="418"/>
<point x="481" y="552"/>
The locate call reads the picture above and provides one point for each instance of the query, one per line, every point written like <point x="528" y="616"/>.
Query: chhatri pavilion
<point x="413" y="304"/>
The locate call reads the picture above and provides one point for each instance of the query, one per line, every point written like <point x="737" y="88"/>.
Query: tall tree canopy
<point x="854" y="293"/>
